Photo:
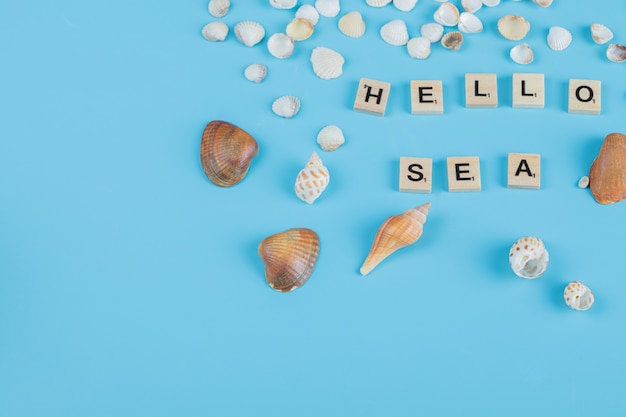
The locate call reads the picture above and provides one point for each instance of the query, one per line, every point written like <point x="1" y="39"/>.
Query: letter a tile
<point x="371" y="97"/>
<point x="463" y="173"/>
<point x="524" y="171"/>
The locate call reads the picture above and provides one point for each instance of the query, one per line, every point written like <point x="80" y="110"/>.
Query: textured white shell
<point x="283" y="4"/>
<point x="286" y="106"/>
<point x="308" y="12"/>
<point x="327" y="63"/>
<point x="470" y="23"/>
<point x="328" y="8"/>
<point x="395" y="32"/>
<point x="299" y="29"/>
<point x="215" y="31"/>
<point x="616" y="52"/>
<point x="377" y="3"/>
<point x="528" y="257"/>
<point x="578" y="296"/>
<point x="452" y="40"/>
<point x="312" y="180"/>
<point x="543" y="3"/>
<point x="418" y="48"/>
<point x="513" y="27"/>
<point x="447" y="14"/>
<point x="491" y="3"/>
<point x="249" y="33"/>
<point x="404" y="5"/>
<point x="255" y="72"/>
<point x="522" y="54"/>
<point x="471" y="6"/>
<point x="330" y="138"/>
<point x="280" y="45"/>
<point x="432" y="31"/>
<point x="352" y="25"/>
<point x="559" y="38"/>
<point x="219" y="8"/>
<point x="600" y="33"/>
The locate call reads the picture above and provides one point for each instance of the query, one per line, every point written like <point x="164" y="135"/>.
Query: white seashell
<point x="286" y="106"/>
<point x="513" y="27"/>
<point x="299" y="29"/>
<point x="308" y="12"/>
<point x="583" y="182"/>
<point x="330" y="138"/>
<point x="377" y="3"/>
<point x="471" y="6"/>
<point x="312" y="180"/>
<point x="491" y="3"/>
<point x="528" y="257"/>
<point x="600" y="33"/>
<point x="352" y="25"/>
<point x="219" y="8"/>
<point x="327" y="64"/>
<point x="447" y="14"/>
<point x="616" y="52"/>
<point x="452" y="40"/>
<point x="559" y="38"/>
<point x="255" y="72"/>
<point x="249" y="33"/>
<point x="395" y="32"/>
<point x="543" y="3"/>
<point x="404" y="5"/>
<point x="522" y="54"/>
<point x="215" y="31"/>
<point x="280" y="45"/>
<point x="418" y="48"/>
<point x="469" y="23"/>
<point x="283" y="4"/>
<point x="328" y="8"/>
<point x="578" y="296"/>
<point x="432" y="31"/>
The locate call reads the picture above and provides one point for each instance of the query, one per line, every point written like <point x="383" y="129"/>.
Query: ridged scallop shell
<point x="312" y="180"/>
<point x="377" y="3"/>
<point x="249" y="33"/>
<point x="280" y="45"/>
<point x="470" y="23"/>
<point x="395" y="233"/>
<point x="432" y="31"/>
<point x="513" y="27"/>
<point x="327" y="64"/>
<point x="528" y="257"/>
<point x="578" y="296"/>
<point x="308" y="12"/>
<point x="215" y="31"/>
<point x="616" y="52"/>
<point x="543" y="3"/>
<point x="404" y="5"/>
<point x="255" y="72"/>
<point x="452" y="40"/>
<point x="607" y="176"/>
<point x="471" y="6"/>
<point x="447" y="14"/>
<point x="395" y="32"/>
<point x="286" y="106"/>
<point x="289" y="258"/>
<point x="559" y="38"/>
<point x="418" y="48"/>
<point x="328" y="8"/>
<point x="600" y="33"/>
<point x="330" y="138"/>
<point x="283" y="4"/>
<point x="226" y="152"/>
<point x="299" y="29"/>
<point x="352" y="25"/>
<point x="522" y="54"/>
<point x="219" y="8"/>
<point x="491" y="3"/>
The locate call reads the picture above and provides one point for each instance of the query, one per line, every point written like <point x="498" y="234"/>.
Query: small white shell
<point x="616" y="52"/>
<point x="513" y="27"/>
<point x="255" y="72"/>
<point x="471" y="6"/>
<point x="395" y="32"/>
<point x="600" y="33"/>
<point x="327" y="64"/>
<point x="447" y="14"/>
<point x="522" y="54"/>
<point x="312" y="180"/>
<point x="543" y="3"/>
<point x="404" y="5"/>
<point x="215" y="31"/>
<point x="491" y="3"/>
<point x="377" y="3"/>
<point x="283" y="4"/>
<point x="470" y="23"/>
<point x="286" y="106"/>
<point x="219" y="8"/>
<point x="452" y="40"/>
<point x="432" y="31"/>
<point x="352" y="25"/>
<point x="280" y="45"/>
<point x="328" y="8"/>
<point x="330" y="138"/>
<point x="583" y="182"/>
<point x="578" y="296"/>
<point x="418" y="48"/>
<point x="559" y="38"/>
<point x="249" y="33"/>
<point x="308" y="12"/>
<point x="528" y="257"/>
<point x="299" y="29"/>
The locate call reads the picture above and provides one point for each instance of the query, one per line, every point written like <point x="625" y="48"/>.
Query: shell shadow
<point x="496" y="258"/>
<point x="250" y="255"/>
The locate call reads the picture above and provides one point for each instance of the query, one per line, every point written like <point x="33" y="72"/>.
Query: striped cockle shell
<point x="559" y="38"/>
<point x="219" y="8"/>
<point x="616" y="52"/>
<point x="312" y="180"/>
<point x="404" y="5"/>
<point x="452" y="40"/>
<point x="491" y="3"/>
<point x="308" y="12"/>
<point x="299" y="29"/>
<point x="447" y="14"/>
<point x="607" y="176"/>
<point x="327" y="63"/>
<point x="255" y="72"/>
<point x="528" y="257"/>
<point x="330" y="138"/>
<point x="328" y="8"/>
<point x="418" y="48"/>
<point x="471" y="6"/>
<point x="377" y="3"/>
<point x="352" y="25"/>
<point x="283" y="4"/>
<point x="286" y="106"/>
<point x="215" y="31"/>
<point x="522" y="54"/>
<point x="432" y="31"/>
<point x="600" y="33"/>
<point x="578" y="296"/>
<point x="395" y="32"/>
<point x="280" y="45"/>
<point x="513" y="27"/>
<point x="470" y="23"/>
<point x="249" y="33"/>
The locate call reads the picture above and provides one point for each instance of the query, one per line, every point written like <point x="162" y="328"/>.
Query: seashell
<point x="249" y="33"/>
<point x="352" y="25"/>
<point x="528" y="257"/>
<point x="600" y="33"/>
<point x="289" y="258"/>
<point x="286" y="106"/>
<point x="432" y="31"/>
<point x="469" y="23"/>
<point x="616" y="52"/>
<point x="452" y="40"/>
<point x="327" y="8"/>
<point x="404" y="5"/>
<point x="215" y="31"/>
<point x="308" y="12"/>
<point x="395" y="233"/>
<point x="299" y="29"/>
<point x="280" y="45"/>
<point x="578" y="296"/>
<point x="522" y="54"/>
<point x="226" y="152"/>
<point x="583" y="182"/>
<point x="513" y="27"/>
<point x="607" y="176"/>
<point x="559" y="38"/>
<point x="491" y="3"/>
<point x="327" y="64"/>
<point x="543" y="3"/>
<point x="395" y="32"/>
<point x="471" y="6"/>
<point x="418" y="48"/>
<point x="283" y="4"/>
<point x="447" y="14"/>
<point x="330" y="138"/>
<point x="219" y="8"/>
<point x="377" y="3"/>
<point x="312" y="180"/>
<point x="255" y="72"/>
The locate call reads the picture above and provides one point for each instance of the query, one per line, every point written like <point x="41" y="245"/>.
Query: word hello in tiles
<point x="481" y="91"/>
<point x="416" y="174"/>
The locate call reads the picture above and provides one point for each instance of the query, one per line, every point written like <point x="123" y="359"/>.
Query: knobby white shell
<point x="600" y="33"/>
<point x="215" y="31"/>
<point x="280" y="45"/>
<point x="312" y="180"/>
<point x="308" y="12"/>
<point x="255" y="72"/>
<point x="528" y="257"/>
<point x="327" y="64"/>
<point x="395" y="32"/>
<point x="299" y="29"/>
<point x="377" y="3"/>
<point x="219" y="8"/>
<point x="616" y="52"/>
<point x="404" y="5"/>
<point x="432" y="31"/>
<point x="513" y="27"/>
<point x="543" y="3"/>
<point x="522" y="54"/>
<point x="352" y="25"/>
<point x="469" y="23"/>
<point x="418" y="48"/>
<point x="491" y="3"/>
<point x="249" y="33"/>
<point x="286" y="106"/>
<point x="452" y="40"/>
<point x="578" y="296"/>
<point x="559" y="38"/>
<point x="330" y="138"/>
<point x="283" y="4"/>
<point x="328" y="8"/>
<point x="447" y="14"/>
<point x="471" y="6"/>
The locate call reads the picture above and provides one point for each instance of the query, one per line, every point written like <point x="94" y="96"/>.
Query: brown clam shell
<point x="607" y="176"/>
<point x="289" y="258"/>
<point x="226" y="152"/>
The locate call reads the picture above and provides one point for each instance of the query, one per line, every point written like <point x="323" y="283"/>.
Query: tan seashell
<point x="352" y="25"/>
<point x="219" y="8"/>
<point x="418" y="48"/>
<point x="559" y="38"/>
<point x="452" y="40"/>
<point x="395" y="32"/>
<point x="513" y="27"/>
<point x="308" y="12"/>
<point x="578" y="296"/>
<point x="215" y="31"/>
<point x="471" y="6"/>
<point x="255" y="72"/>
<point x="330" y="138"/>
<point x="327" y="64"/>
<point x="616" y="52"/>
<point x="226" y="152"/>
<point x="395" y="233"/>
<point x="249" y="33"/>
<point x="286" y="106"/>
<point x="607" y="176"/>
<point x="447" y="14"/>
<point x="543" y="3"/>
<point x="299" y="29"/>
<point x="600" y="33"/>
<point x="522" y="54"/>
<point x="289" y="258"/>
<point x="312" y="180"/>
<point x="280" y="45"/>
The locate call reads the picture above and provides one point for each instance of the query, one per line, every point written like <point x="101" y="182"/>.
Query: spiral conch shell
<point x="226" y="152"/>
<point x="312" y="180"/>
<point x="607" y="176"/>
<point x="289" y="258"/>
<point x="397" y="232"/>
<point x="528" y="257"/>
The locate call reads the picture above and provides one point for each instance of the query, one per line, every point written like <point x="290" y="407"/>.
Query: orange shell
<point x="607" y="176"/>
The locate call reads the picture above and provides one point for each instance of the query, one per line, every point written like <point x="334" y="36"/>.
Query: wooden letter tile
<point x="528" y="91"/>
<point x="426" y="97"/>
<point x="463" y="173"/>
<point x="481" y="90"/>
<point x="416" y="174"/>
<point x="584" y="96"/>
<point x="371" y="97"/>
<point x="524" y="171"/>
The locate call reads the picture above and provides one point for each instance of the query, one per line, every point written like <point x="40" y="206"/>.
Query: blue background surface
<point x="131" y="286"/>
